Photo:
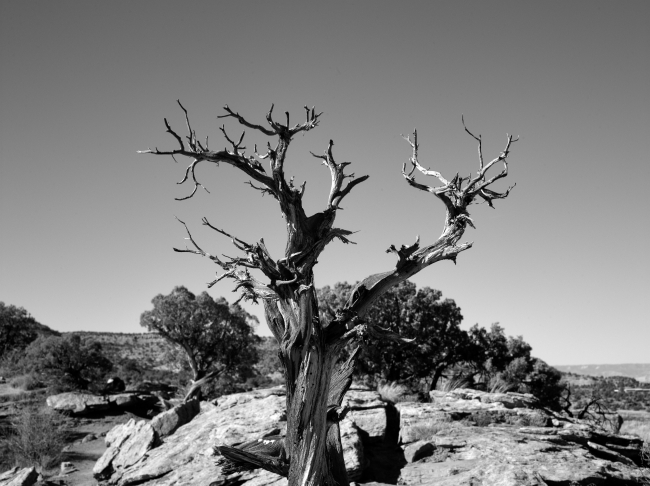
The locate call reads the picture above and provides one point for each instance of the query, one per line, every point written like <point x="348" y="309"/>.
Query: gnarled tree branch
<point x="456" y="194"/>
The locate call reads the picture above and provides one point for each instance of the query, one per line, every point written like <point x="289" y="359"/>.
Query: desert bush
<point x="70" y="361"/>
<point x="208" y="334"/>
<point x="36" y="437"/>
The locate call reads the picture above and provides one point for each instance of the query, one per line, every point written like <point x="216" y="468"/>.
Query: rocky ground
<point x="464" y="437"/>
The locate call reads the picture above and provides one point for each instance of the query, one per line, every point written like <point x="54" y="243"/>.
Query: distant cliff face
<point x="638" y="371"/>
<point x="149" y="349"/>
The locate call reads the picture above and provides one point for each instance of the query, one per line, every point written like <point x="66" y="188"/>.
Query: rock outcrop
<point x="136" y="455"/>
<point x="462" y="437"/>
<point x="472" y="437"/>
<point x="19" y="477"/>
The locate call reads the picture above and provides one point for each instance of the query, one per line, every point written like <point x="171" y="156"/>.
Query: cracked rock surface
<point x="464" y="437"/>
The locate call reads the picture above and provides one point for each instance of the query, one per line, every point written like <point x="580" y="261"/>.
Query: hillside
<point x="149" y="350"/>
<point x="638" y="371"/>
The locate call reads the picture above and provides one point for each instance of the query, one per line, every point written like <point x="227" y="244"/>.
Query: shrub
<point x="36" y="438"/>
<point x="69" y="361"/>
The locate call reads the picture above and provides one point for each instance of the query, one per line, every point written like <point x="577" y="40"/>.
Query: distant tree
<point x="69" y="360"/>
<point x="17" y="328"/>
<point x="433" y="323"/>
<point x="269" y="360"/>
<point x="504" y="363"/>
<point x="217" y="338"/>
<point x="545" y="382"/>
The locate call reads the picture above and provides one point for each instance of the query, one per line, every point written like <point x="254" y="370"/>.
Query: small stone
<point x="67" y="468"/>
<point x="418" y="450"/>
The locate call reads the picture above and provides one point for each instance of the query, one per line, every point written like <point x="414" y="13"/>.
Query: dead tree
<point x="311" y="453"/>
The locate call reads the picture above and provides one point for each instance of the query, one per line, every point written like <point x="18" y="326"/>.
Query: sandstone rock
<point x="67" y="468"/>
<point x="498" y="456"/>
<point x="516" y="444"/>
<point x="352" y="449"/>
<point x="367" y="411"/>
<point x="418" y="450"/>
<point x="78" y="403"/>
<point x="19" y="477"/>
<point x="421" y="421"/>
<point x="128" y="443"/>
<point x="167" y="422"/>
<point x="187" y="456"/>
<point x="88" y="438"/>
<point x="86" y="404"/>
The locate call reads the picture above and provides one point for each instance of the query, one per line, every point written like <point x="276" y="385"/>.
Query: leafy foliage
<point x="443" y="354"/>
<point x="504" y="363"/>
<point x="17" y="328"/>
<point x="69" y="361"/>
<point x="422" y="315"/>
<point x="213" y="335"/>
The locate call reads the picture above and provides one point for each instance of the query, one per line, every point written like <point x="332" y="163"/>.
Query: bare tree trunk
<point x="311" y="454"/>
<point x="437" y="374"/>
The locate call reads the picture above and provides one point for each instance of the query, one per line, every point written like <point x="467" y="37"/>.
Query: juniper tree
<point x="316" y="381"/>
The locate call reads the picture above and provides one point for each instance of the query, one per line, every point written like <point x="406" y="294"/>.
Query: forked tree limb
<point x="456" y="194"/>
<point x="307" y="235"/>
<point x="337" y="193"/>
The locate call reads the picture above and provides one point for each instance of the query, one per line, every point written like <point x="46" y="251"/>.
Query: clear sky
<point x="88" y="226"/>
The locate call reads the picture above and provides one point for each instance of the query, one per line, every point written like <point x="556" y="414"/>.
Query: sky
<point x="87" y="225"/>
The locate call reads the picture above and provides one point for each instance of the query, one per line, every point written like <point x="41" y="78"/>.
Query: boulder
<point x="78" y="403"/>
<point x="67" y="468"/>
<point x="114" y="385"/>
<point x="127" y="444"/>
<point x="19" y="477"/>
<point x="418" y="450"/>
<point x="167" y="422"/>
<point x="367" y="411"/>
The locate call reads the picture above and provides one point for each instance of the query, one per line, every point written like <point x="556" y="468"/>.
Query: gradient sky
<point x="88" y="225"/>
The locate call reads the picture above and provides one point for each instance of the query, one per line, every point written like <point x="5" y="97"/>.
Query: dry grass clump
<point x="427" y="430"/>
<point x="392" y="392"/>
<point x="26" y="382"/>
<point x="640" y="428"/>
<point x="454" y="382"/>
<point x="36" y="437"/>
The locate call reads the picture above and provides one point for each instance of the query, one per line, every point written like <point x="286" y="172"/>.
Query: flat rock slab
<point x="85" y="403"/>
<point x="506" y="456"/>
<point x="77" y="403"/>
<point x="187" y="456"/>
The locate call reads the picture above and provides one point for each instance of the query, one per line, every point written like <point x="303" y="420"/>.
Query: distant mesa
<point x="638" y="371"/>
